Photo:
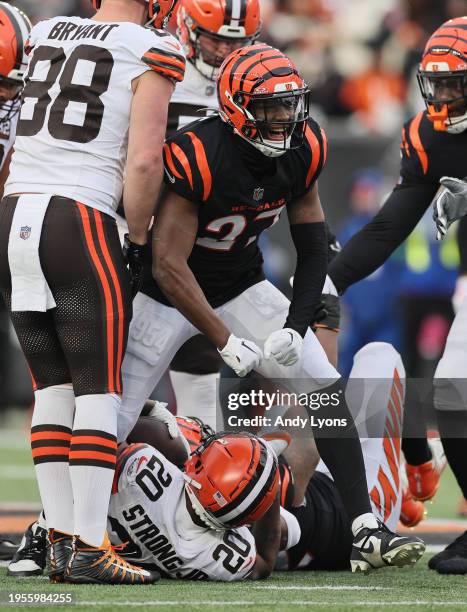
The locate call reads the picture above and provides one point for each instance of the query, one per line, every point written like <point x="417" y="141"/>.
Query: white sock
<point x="51" y="425"/>
<point x="367" y="520"/>
<point x="196" y="396"/>
<point x="93" y="454"/>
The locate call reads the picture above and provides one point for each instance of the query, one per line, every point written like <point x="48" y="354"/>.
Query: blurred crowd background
<point x="360" y="59"/>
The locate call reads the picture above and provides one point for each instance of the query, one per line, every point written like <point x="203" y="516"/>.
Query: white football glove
<point x="160" y="413"/>
<point x="285" y="345"/>
<point x="449" y="204"/>
<point x="241" y="355"/>
<point x="460" y="293"/>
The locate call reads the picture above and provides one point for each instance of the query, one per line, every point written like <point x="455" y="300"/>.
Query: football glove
<point x="285" y="345"/>
<point x="160" y="413"/>
<point x="241" y="355"/>
<point x="449" y="204"/>
<point x="134" y="259"/>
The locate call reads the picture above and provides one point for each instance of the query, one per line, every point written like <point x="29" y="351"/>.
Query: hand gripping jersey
<point x="191" y="100"/>
<point x="73" y="129"/>
<point x="427" y="154"/>
<point x="148" y="517"/>
<point x="210" y="166"/>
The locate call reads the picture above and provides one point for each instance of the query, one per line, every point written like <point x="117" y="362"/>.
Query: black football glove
<point x="134" y="259"/>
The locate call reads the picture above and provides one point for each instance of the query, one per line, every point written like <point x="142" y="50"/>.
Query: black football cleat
<point x="380" y="547"/>
<point x="7" y="549"/>
<point x="453" y="559"/>
<point x="30" y="558"/>
<point x="102" y="565"/>
<point x="59" y="553"/>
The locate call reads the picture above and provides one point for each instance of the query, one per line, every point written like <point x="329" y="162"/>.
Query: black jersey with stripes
<point x="239" y="192"/>
<point x="427" y="154"/>
<point x="326" y="537"/>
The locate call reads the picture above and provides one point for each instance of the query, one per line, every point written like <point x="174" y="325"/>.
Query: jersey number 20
<point x="71" y="91"/>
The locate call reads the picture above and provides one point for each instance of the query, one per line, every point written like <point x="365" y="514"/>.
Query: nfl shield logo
<point x="25" y="232"/>
<point x="258" y="194"/>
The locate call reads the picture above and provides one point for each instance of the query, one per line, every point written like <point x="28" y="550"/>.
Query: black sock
<point x="341" y="451"/>
<point x="414" y="439"/>
<point x="454" y="423"/>
<point x="416" y="450"/>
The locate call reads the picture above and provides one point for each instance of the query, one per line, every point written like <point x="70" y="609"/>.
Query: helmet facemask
<point x="210" y="50"/>
<point x="274" y="123"/>
<point x="445" y="95"/>
<point x="10" y="92"/>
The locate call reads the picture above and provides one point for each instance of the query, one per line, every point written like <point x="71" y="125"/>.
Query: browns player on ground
<point x="228" y="178"/>
<point x="85" y="105"/>
<point x="433" y="145"/>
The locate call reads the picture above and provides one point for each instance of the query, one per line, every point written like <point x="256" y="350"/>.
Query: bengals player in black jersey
<point x="227" y="179"/>
<point x="433" y="146"/>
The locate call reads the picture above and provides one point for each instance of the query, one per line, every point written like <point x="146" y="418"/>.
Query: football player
<point x="433" y="144"/>
<point x="192" y="524"/>
<point x="376" y="393"/>
<point x="86" y="109"/>
<point x="228" y="178"/>
<point x="14" y="31"/>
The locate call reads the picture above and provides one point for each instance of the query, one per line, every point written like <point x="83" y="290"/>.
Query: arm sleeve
<point x="462" y="241"/>
<point x="369" y="248"/>
<point x="310" y="241"/>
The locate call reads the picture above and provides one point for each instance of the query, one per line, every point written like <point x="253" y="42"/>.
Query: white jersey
<point x="191" y="99"/>
<point x="8" y="130"/>
<point x="73" y="128"/>
<point x="148" y="511"/>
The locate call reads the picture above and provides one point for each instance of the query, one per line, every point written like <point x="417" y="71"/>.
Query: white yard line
<point x="270" y="604"/>
<point x="342" y="587"/>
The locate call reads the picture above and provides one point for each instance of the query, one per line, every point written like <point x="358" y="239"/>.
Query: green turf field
<point x="390" y="589"/>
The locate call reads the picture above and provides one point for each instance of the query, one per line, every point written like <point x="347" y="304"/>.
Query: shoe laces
<point x="35" y="544"/>
<point x="112" y="555"/>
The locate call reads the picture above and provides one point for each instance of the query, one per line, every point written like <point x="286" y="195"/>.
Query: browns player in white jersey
<point x="86" y="117"/>
<point x="192" y="524"/>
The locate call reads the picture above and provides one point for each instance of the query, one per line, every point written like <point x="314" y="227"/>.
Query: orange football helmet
<point x="232" y="479"/>
<point x="14" y="32"/>
<point x="442" y="76"/>
<point x="263" y="98"/>
<point x="211" y="29"/>
<point x="194" y="431"/>
<point x="159" y="11"/>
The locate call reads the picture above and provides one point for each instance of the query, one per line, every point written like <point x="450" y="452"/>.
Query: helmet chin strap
<point x="202" y="513"/>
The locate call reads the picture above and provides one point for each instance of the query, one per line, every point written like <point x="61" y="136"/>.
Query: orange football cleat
<point x="412" y="510"/>
<point x="424" y="479"/>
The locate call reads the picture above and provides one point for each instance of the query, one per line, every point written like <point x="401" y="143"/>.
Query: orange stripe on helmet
<point x="315" y="154"/>
<point x="325" y="145"/>
<point x="106" y="288"/>
<point x="183" y="159"/>
<point x="414" y="134"/>
<point x="285" y="485"/>
<point x="118" y="292"/>
<point x="203" y="165"/>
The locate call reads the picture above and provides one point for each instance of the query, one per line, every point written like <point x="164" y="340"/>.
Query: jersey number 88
<point x="71" y="90"/>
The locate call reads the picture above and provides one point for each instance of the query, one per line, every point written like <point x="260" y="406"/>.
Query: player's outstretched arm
<point x="369" y="248"/>
<point x="174" y="235"/>
<point x="267" y="534"/>
<point x="144" y="167"/>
